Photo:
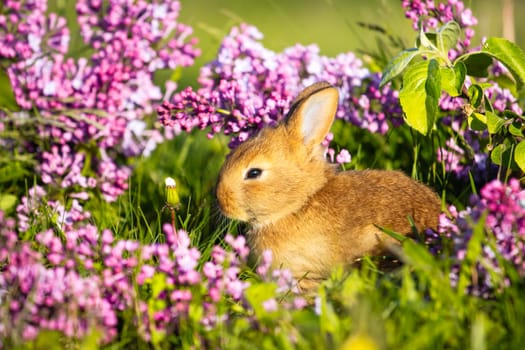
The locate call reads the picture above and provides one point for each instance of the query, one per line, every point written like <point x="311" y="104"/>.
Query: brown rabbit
<point x="311" y="216"/>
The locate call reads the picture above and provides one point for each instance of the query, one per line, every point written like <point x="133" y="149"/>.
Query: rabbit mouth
<point x="228" y="209"/>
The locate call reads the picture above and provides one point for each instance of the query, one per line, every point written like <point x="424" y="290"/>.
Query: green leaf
<point x="433" y="90"/>
<point x="408" y="292"/>
<point x="452" y="79"/>
<point x="494" y="122"/>
<point x="447" y="36"/>
<point x="515" y="129"/>
<point x="329" y="321"/>
<point x="477" y="64"/>
<point x="397" y="65"/>
<point x="393" y="234"/>
<point x="509" y="54"/>
<point x="475" y="94"/>
<point x="498" y="153"/>
<point x="426" y="40"/>
<point x="92" y="340"/>
<point x="511" y="115"/>
<point x="7" y="96"/>
<point x="7" y="202"/>
<point x="479" y="332"/>
<point x="519" y="155"/>
<point x="420" y="94"/>
<point x="477" y="121"/>
<point x="49" y="340"/>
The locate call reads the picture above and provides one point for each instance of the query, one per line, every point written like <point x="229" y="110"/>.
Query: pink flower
<point x="270" y="305"/>
<point x="343" y="157"/>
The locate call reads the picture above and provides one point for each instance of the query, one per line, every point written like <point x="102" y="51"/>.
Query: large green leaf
<point x="397" y="65"/>
<point x="509" y="54"/>
<point x="447" y="36"/>
<point x="519" y="155"/>
<point x="420" y="94"/>
<point x="477" y="64"/>
<point x="452" y="79"/>
<point x="7" y="97"/>
<point x="433" y="92"/>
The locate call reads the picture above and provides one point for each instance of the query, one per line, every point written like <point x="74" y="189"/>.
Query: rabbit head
<point x="274" y="173"/>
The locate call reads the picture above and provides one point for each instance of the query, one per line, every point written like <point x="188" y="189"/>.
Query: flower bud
<point x="172" y="197"/>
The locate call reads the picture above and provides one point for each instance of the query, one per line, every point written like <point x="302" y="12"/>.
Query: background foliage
<point x="89" y="254"/>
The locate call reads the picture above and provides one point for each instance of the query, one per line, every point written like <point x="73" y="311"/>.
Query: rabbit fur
<point x="310" y="215"/>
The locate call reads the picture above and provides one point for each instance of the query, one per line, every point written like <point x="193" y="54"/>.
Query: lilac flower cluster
<point x="175" y="264"/>
<point x="502" y="207"/>
<point x="25" y="30"/>
<point x="101" y="99"/>
<point x="37" y="297"/>
<point x="134" y="29"/>
<point x="78" y="279"/>
<point x="249" y="86"/>
<point x="428" y="15"/>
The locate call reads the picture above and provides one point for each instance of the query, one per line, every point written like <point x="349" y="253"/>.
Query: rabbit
<point x="312" y="216"/>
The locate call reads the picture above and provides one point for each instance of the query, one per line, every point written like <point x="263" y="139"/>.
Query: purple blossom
<point x="239" y="245"/>
<point x="343" y="157"/>
<point x="504" y="207"/>
<point x="265" y="264"/>
<point x="110" y="27"/>
<point x="74" y="278"/>
<point x="249" y="86"/>
<point x="270" y="305"/>
<point x="98" y="100"/>
<point x="42" y="297"/>
<point x="25" y="31"/>
<point x="466" y="151"/>
<point x="429" y="15"/>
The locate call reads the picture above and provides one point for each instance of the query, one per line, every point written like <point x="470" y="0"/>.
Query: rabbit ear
<point x="312" y="113"/>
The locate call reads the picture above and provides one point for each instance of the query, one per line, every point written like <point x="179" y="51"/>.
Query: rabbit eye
<point x="253" y="173"/>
